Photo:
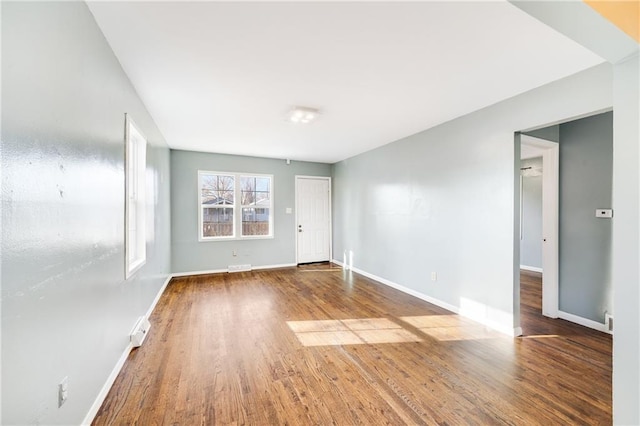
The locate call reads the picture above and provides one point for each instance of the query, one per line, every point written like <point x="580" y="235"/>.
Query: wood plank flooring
<point x="317" y="345"/>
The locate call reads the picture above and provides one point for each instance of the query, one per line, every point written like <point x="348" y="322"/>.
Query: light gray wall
<point x="531" y="242"/>
<point x="190" y="255"/>
<point x="626" y="244"/>
<point x="66" y="307"/>
<point x="550" y="133"/>
<point x="443" y="200"/>
<point x="586" y="161"/>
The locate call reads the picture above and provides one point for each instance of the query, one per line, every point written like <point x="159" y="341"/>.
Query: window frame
<point x="237" y="207"/>
<point x="135" y="171"/>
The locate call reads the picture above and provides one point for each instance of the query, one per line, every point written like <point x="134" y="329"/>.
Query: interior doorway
<point x="549" y="152"/>
<point x="313" y="219"/>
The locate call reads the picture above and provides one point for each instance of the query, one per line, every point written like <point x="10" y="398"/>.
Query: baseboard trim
<point x="282" y="265"/>
<point x="531" y="268"/>
<point x="224" y="271"/>
<point x="158" y="296"/>
<point x="337" y="262"/>
<point x="107" y="387"/>
<point x="595" y="325"/>
<point x="207" y="272"/>
<point x="509" y="331"/>
<point x="118" y="367"/>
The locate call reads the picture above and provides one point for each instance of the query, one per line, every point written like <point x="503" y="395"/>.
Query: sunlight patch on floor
<point x="450" y="327"/>
<point x="357" y="331"/>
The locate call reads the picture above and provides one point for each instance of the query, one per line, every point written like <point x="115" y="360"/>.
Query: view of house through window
<point x="256" y="205"/>
<point x="235" y="205"/>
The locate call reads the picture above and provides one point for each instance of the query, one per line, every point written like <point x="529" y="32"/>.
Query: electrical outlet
<point x="434" y="276"/>
<point x="234" y="253"/>
<point x="63" y="391"/>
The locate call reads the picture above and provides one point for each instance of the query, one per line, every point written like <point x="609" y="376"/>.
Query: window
<point x="135" y="185"/>
<point x="218" y="204"/>
<point x="235" y="205"/>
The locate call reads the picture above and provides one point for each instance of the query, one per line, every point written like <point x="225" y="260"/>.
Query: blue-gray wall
<point x="550" y="133"/>
<point x="531" y="242"/>
<point x="443" y="200"/>
<point x="190" y="255"/>
<point x="586" y="171"/>
<point x="66" y="307"/>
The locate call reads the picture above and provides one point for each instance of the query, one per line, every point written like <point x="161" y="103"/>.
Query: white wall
<point x="443" y="200"/>
<point x="626" y="243"/>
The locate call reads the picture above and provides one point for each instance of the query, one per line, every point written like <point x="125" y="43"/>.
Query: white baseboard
<point x="106" y="387"/>
<point x="337" y="262"/>
<point x="510" y="331"/>
<point x="409" y="291"/>
<point x="160" y="293"/>
<point x="283" y="265"/>
<point x="531" y="268"/>
<point x="224" y="271"/>
<point x="583" y="321"/>
<point x="187" y="274"/>
<point x="123" y="358"/>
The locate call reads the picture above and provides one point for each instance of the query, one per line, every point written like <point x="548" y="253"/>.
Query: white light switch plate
<point x="606" y="213"/>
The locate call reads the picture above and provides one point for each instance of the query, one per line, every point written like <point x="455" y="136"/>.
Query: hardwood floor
<point x="318" y="345"/>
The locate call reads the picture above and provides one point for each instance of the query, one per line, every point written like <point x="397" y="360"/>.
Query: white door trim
<point x="328" y="179"/>
<point x="550" y="216"/>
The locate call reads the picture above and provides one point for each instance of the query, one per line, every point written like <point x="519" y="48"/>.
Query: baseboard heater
<point x="139" y="332"/>
<point x="239" y="268"/>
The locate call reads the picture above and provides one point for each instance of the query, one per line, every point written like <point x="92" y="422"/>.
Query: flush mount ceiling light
<point x="303" y="115"/>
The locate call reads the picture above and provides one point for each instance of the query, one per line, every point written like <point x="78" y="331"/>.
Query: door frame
<point x="550" y="218"/>
<point x="295" y="225"/>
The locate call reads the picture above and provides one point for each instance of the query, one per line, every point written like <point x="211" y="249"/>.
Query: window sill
<point x="221" y="239"/>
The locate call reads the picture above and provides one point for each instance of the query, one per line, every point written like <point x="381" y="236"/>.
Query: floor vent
<point x="239" y="268"/>
<point x="139" y="332"/>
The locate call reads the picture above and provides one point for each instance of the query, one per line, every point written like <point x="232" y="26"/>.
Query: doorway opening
<point x="540" y="158"/>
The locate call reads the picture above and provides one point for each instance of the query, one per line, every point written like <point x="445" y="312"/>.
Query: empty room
<point x="311" y="213"/>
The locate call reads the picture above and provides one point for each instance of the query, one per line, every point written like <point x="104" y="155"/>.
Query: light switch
<point x="289" y="210"/>
<point x="604" y="213"/>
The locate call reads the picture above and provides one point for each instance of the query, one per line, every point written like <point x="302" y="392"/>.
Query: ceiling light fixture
<point x="303" y="115"/>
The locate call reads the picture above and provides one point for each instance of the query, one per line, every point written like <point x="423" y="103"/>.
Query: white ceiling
<point x="220" y="77"/>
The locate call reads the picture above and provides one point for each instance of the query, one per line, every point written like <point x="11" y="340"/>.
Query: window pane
<point x="248" y="183"/>
<point x="208" y="189"/>
<point x="217" y="189"/>
<point x="248" y="198"/>
<point x="225" y="197"/>
<point x="247" y="188"/>
<point x="255" y="221"/>
<point x="262" y="184"/>
<point x="217" y="222"/>
<point x="262" y="199"/>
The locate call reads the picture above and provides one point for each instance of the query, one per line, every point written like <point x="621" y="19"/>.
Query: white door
<point x="550" y="213"/>
<point x="313" y="219"/>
